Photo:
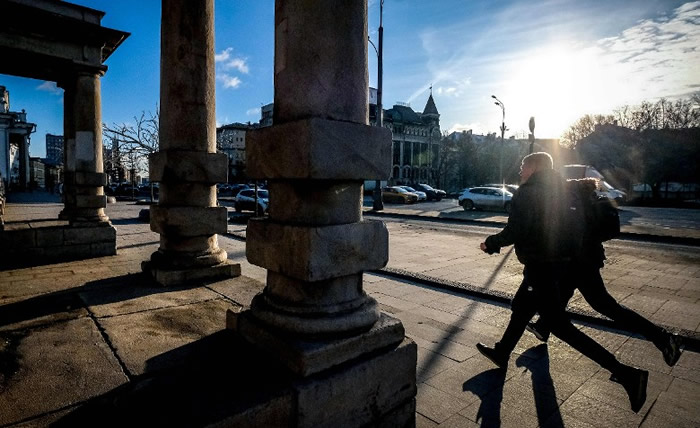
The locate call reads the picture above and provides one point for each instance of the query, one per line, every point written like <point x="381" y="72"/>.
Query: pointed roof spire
<point x="430" y="105"/>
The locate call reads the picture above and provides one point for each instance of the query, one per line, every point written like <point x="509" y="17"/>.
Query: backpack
<point x="588" y="219"/>
<point x="604" y="219"/>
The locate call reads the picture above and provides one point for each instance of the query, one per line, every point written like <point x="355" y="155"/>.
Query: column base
<point x="308" y="356"/>
<point x="174" y="277"/>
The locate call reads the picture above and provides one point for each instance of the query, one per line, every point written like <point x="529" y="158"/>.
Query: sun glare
<point x="557" y="86"/>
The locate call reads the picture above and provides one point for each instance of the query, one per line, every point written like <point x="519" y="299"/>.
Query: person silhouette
<point x="536" y="223"/>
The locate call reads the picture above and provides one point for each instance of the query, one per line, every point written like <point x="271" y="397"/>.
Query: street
<point x="656" y="221"/>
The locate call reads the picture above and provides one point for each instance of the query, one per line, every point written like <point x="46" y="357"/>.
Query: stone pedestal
<point x="187" y="166"/>
<point x="313" y="314"/>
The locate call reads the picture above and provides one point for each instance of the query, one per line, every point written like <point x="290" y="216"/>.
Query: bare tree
<point x="132" y="143"/>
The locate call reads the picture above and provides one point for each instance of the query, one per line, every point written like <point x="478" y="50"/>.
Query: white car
<point x="245" y="200"/>
<point x="422" y="196"/>
<point x="485" y="198"/>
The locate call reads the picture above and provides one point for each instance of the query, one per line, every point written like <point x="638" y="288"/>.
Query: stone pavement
<point x="75" y="323"/>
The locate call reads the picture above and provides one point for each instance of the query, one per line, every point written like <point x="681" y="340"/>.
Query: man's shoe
<point x="673" y="349"/>
<point x="532" y="328"/>
<point x="492" y="354"/>
<point x="634" y="381"/>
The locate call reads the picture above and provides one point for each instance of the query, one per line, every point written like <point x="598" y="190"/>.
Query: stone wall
<point x="27" y="244"/>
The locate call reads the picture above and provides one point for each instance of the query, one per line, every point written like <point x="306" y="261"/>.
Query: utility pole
<point x="378" y="204"/>
<point x="532" y="134"/>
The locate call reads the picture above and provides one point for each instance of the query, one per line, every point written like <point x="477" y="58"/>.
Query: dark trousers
<point x="589" y="282"/>
<point x="539" y="292"/>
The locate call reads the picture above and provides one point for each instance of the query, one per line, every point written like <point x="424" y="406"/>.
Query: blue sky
<point x="553" y="59"/>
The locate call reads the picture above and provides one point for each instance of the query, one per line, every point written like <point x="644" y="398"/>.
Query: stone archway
<point x="65" y="43"/>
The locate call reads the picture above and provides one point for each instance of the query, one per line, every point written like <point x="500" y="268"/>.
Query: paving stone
<point x="74" y="356"/>
<point x="681" y="399"/>
<point x="584" y="408"/>
<point x="154" y="340"/>
<point x="436" y="405"/>
<point x="430" y="363"/>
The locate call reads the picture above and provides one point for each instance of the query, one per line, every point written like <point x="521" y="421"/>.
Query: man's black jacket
<point x="536" y="222"/>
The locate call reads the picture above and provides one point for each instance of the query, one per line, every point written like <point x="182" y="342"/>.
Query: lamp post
<point x="503" y="131"/>
<point x="378" y="204"/>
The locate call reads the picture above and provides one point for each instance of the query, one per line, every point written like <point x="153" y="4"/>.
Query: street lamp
<point x="503" y="131"/>
<point x="378" y="204"/>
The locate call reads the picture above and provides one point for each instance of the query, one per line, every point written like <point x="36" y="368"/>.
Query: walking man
<point x="584" y="274"/>
<point x="536" y="225"/>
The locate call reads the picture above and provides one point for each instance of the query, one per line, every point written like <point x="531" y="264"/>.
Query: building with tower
<point x="415" y="140"/>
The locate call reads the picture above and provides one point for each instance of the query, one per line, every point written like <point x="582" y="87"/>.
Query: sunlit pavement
<point x="51" y="317"/>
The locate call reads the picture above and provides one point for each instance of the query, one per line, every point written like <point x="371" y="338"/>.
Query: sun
<point x="557" y="85"/>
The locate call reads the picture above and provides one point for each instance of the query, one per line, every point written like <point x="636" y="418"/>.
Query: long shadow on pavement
<point x="104" y="291"/>
<point x="488" y="386"/>
<point x="205" y="382"/>
<point x="536" y="361"/>
<point x="444" y="342"/>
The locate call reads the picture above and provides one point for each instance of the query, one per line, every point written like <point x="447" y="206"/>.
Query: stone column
<point x="84" y="177"/>
<point x="313" y="313"/>
<point x="187" y="165"/>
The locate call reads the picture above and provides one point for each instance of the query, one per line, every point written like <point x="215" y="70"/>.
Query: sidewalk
<point x="77" y="322"/>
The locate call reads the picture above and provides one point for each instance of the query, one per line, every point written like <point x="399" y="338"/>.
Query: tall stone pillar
<point x="83" y="191"/>
<point x="187" y="165"/>
<point x="313" y="313"/>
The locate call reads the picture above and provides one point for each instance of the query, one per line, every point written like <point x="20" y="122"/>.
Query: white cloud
<point x="229" y="81"/>
<point x="227" y="62"/>
<point x="224" y="55"/>
<point x="50" y="87"/>
<point x="253" y="112"/>
<point x="238" y="64"/>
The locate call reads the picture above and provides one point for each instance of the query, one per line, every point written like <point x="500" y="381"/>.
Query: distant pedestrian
<point x="584" y="274"/>
<point x="535" y="226"/>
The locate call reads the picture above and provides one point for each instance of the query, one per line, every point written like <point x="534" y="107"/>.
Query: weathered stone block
<point x="188" y="221"/>
<point x="316" y="202"/>
<point x="319" y="149"/>
<point x="89" y="235"/>
<point x="188" y="166"/>
<point x="317" y="253"/>
<point x="359" y="394"/>
<point x="306" y="357"/>
<point x="173" y="277"/>
<point x="49" y="237"/>
<point x="90" y="201"/>
<point x="102" y="249"/>
<point x="19" y="238"/>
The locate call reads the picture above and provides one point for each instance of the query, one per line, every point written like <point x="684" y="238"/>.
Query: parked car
<point x="396" y="194"/>
<point x="126" y="190"/>
<point x="245" y="200"/>
<point x="431" y="194"/>
<point x="421" y="195"/>
<point x="509" y="187"/>
<point x="486" y="198"/>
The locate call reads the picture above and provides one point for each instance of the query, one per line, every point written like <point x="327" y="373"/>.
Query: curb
<point x="691" y="339"/>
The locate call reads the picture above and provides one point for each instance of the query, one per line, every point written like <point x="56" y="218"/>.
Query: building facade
<point x="15" y="134"/>
<point x="416" y="140"/>
<point x="230" y="140"/>
<point x="54" y="149"/>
